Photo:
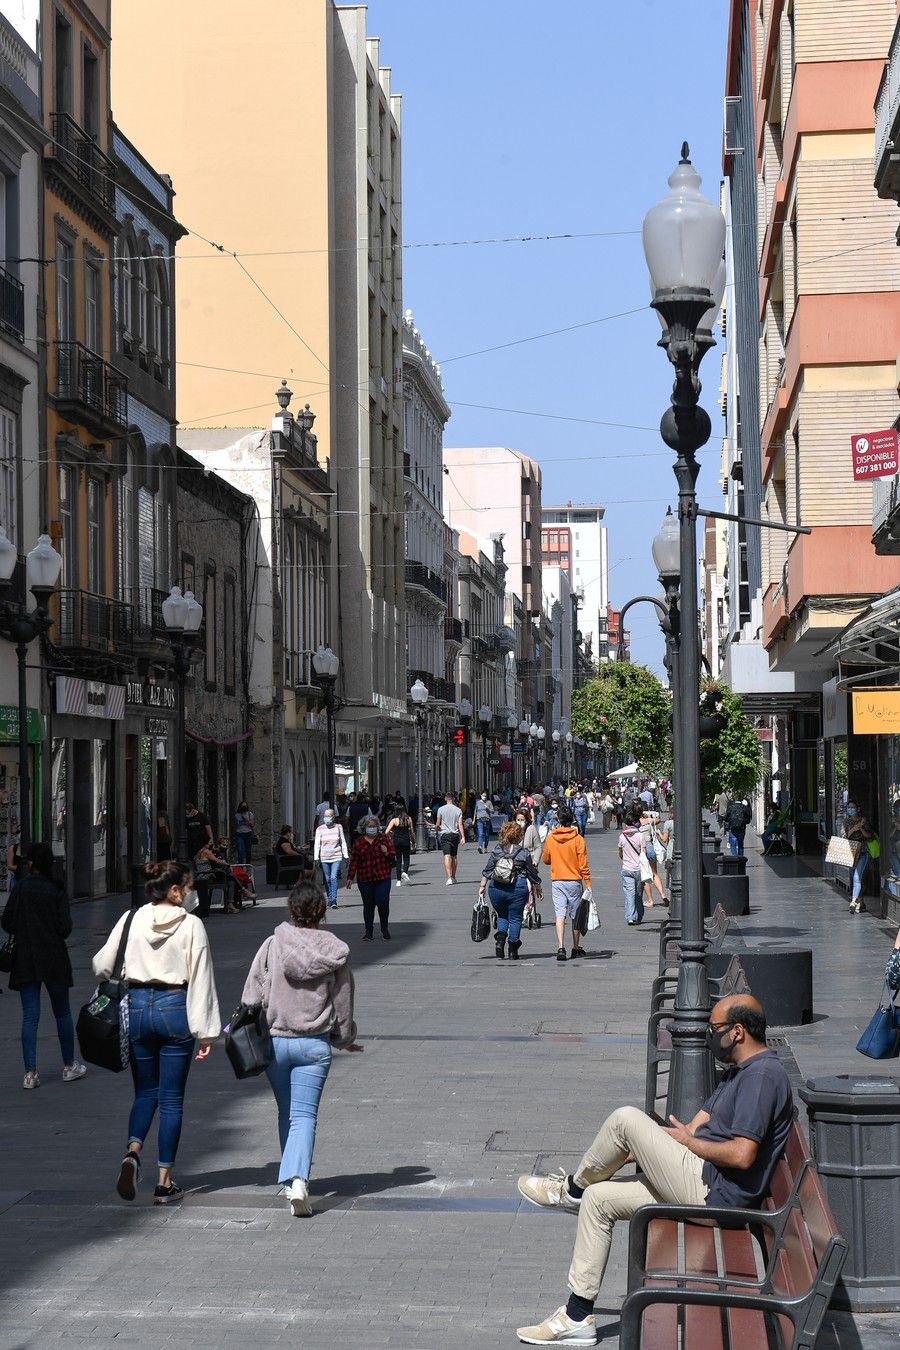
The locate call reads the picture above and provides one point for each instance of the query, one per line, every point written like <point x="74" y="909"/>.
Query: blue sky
<point x="527" y="118"/>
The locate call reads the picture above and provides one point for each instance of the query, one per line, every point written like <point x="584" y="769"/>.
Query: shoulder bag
<point x="881" y="1038"/>
<point x="102" y="1025"/>
<point x="248" y="1041"/>
<point x="7" y="955"/>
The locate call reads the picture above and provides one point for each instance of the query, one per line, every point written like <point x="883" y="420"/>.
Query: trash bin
<point x="138" y="894"/>
<point x="854" y="1129"/>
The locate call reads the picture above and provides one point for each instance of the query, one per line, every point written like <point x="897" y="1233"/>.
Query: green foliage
<point x="628" y="705"/>
<point x="732" y="760"/>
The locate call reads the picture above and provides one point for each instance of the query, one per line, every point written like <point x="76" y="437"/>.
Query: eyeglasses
<point x="721" y="1026"/>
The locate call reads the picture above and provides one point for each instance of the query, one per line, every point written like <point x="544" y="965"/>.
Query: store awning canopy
<point x="629" y="771"/>
<point x="870" y="644"/>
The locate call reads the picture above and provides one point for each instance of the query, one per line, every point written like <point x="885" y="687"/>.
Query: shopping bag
<point x="481" y="920"/>
<point x="102" y="1026"/>
<point x="881" y="1038"/>
<point x="593" y="918"/>
<point x="841" y="852"/>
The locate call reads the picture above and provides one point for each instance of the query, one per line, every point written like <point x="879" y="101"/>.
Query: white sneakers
<point x="559" y="1329"/>
<point x="549" y="1192"/>
<point x="298" y="1199"/>
<point x="72" y="1072"/>
<point x="31" y="1080"/>
<point x="398" y="882"/>
<point x="405" y="877"/>
<point x="449" y="881"/>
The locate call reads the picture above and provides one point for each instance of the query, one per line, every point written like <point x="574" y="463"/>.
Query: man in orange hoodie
<point x="570" y="876"/>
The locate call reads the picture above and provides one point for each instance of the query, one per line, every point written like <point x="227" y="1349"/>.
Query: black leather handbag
<point x="102" y="1025"/>
<point x="7" y="955"/>
<point x="248" y="1041"/>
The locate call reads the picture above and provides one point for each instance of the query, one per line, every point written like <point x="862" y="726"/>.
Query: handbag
<point x="248" y="1041"/>
<point x="881" y="1038"/>
<point x="7" y="955"/>
<point x="873" y="847"/>
<point x="102" y="1025"/>
<point x="840" y="851"/>
<point x="481" y="920"/>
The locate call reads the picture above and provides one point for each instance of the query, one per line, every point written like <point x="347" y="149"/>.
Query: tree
<point x="629" y="706"/>
<point x="731" y="760"/>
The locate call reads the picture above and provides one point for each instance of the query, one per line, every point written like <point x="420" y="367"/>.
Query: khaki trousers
<point x="671" y="1173"/>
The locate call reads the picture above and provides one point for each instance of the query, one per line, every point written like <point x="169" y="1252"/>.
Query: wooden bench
<point x="659" y="1034"/>
<point x="702" y="1278"/>
<point x="716" y="930"/>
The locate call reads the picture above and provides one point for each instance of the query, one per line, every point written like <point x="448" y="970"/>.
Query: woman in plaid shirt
<point x="372" y="861"/>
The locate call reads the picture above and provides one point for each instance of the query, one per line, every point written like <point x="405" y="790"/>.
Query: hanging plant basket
<point x="710" y="727"/>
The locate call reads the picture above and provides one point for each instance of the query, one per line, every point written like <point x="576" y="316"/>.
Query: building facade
<point x="574" y="538"/>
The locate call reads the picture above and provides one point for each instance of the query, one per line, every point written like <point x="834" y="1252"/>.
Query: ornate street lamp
<point x="464" y="708"/>
<point x="325" y="666"/>
<point x="419" y="697"/>
<point x="182" y="615"/>
<point x="555" y="739"/>
<point x="485" y="717"/>
<point x="684" y="240"/>
<point x="21" y="625"/>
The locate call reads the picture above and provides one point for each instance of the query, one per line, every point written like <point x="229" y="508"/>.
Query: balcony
<point x="298" y="671"/>
<point x="453" y="630"/>
<point x="887" y="124"/>
<point x="92" y="624"/>
<point x="90" y="391"/>
<point x="12" y="304"/>
<point x="422" y="577"/>
<point x="146" y="602"/>
<point x="84" y="162"/>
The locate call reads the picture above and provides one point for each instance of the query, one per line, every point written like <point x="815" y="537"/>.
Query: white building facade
<point x="574" y="539"/>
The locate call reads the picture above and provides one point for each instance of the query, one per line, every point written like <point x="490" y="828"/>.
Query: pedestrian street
<point x="474" y="1071"/>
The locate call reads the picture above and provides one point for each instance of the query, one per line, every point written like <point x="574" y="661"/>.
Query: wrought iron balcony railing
<point x="90" y="390"/>
<point x="417" y="574"/>
<point x="86" y="622"/>
<point x="12" y="304"/>
<point x="85" y="161"/>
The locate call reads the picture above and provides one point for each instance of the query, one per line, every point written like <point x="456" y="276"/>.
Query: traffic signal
<point x="459" y="736"/>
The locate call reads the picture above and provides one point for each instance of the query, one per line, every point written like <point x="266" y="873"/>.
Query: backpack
<point x="737" y="816"/>
<point x="506" y="870"/>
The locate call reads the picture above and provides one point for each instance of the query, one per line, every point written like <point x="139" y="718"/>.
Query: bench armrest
<point x="711" y="1216"/>
<point x="640" y="1299"/>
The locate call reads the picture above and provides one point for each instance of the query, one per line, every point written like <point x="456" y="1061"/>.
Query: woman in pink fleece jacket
<point x="301" y="976"/>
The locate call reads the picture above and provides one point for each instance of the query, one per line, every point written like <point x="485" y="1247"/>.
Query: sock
<point x="579" y="1308"/>
<point x="576" y="1192"/>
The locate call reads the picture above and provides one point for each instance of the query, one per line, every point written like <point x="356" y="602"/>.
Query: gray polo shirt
<point x="754" y="1101"/>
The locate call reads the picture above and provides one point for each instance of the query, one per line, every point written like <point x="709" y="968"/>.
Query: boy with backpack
<point x="737" y="818"/>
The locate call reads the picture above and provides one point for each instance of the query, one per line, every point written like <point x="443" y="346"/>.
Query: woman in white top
<point x="329" y="849"/>
<point x="172" y="1004"/>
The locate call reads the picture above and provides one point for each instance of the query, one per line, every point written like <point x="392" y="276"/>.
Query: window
<point x="209" y="617"/>
<point x="8" y="473"/>
<point x="65" y="289"/>
<point x="143" y="324"/>
<point x="165" y="522"/>
<point x="62" y="63"/>
<point x="90" y="92"/>
<point x="93" y="314"/>
<point x="127" y="283"/>
<point x="95" y="536"/>
<point x="68" y="525"/>
<point x="230" y="634"/>
<point x="146" y="539"/>
<point x="158" y="308"/>
<point x="125" y="532"/>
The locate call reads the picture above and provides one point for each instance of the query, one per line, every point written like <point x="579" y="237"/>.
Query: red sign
<point x="874" y="455"/>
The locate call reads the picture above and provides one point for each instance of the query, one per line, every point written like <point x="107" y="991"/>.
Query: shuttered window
<point x="146" y="540"/>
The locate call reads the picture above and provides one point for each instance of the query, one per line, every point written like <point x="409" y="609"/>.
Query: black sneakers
<point x="129" y="1176"/>
<point x="577" y="951"/>
<point x="167" y="1195"/>
<point x="561" y="954"/>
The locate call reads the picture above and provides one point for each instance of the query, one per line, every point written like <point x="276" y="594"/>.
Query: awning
<point x="629" y="771"/>
<point x="869" y="646"/>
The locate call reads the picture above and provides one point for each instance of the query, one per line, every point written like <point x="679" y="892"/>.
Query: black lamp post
<point x="511" y="724"/>
<point x="464" y="708"/>
<point x="419" y="696"/>
<point x="38" y="573"/>
<point x="325" y="672"/>
<point x="684" y="240"/>
<point x="524" y="733"/>
<point x="182" y="615"/>
<point x="485" y="717"/>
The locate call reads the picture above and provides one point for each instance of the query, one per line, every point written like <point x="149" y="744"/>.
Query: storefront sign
<point x="157" y="726"/>
<point x="9" y="725"/>
<point x="517" y="748"/>
<point x="876" y="712"/>
<point x="874" y="455"/>
<point x="149" y="694"/>
<point x="834" y="710"/>
<point x="90" y="698"/>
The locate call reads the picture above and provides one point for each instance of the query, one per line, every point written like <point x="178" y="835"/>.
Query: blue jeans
<point x="30" y="995"/>
<point x="859" y="871"/>
<point x="162" y="1048"/>
<point x="736" y="842"/>
<point x="297" y="1074"/>
<point x="633" y="888"/>
<point x="243" y="843"/>
<point x="483" y="829"/>
<point x="581" y="821"/>
<point x="510" y="906"/>
<point x="331" y="872"/>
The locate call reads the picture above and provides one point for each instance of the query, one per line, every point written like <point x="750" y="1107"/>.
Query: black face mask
<point x="714" y="1041"/>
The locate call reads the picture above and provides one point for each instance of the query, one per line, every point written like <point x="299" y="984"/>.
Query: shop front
<point x="148" y="786"/>
<point x="10" y="794"/>
<point x="85" y="750"/>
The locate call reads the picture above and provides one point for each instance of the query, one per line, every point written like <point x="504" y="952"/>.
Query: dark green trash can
<point x="854" y="1129"/>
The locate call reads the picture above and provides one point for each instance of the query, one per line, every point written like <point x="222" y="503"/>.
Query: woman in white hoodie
<point x="301" y="976"/>
<point x="172" y="1004"/>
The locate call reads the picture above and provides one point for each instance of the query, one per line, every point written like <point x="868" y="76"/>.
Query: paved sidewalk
<point x="474" y="1071"/>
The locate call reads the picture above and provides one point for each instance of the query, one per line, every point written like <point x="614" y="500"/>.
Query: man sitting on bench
<point x="724" y="1156"/>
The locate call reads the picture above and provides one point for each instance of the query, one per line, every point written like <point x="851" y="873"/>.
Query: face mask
<point x="851" y="811"/>
<point x="329" y="819"/>
<point x="714" y="1039"/>
<point x="191" y="901"/>
<point x="371" y="831"/>
<point x="521" y="824"/>
<point x="484" y="796"/>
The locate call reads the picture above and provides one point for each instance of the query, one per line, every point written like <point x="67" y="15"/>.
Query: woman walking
<point x="580" y="807"/>
<point x="399" y="829"/>
<point x="329" y="850"/>
<point x="506" y="878"/>
<point x="630" y="849"/>
<point x="859" y="832"/>
<point x="301" y="976"/>
<point x="372" y="858"/>
<point x="172" y="1006"/>
<point x="649" y="822"/>
<point x="244" y="827"/>
<point x="531" y="838"/>
<point x="37" y="916"/>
